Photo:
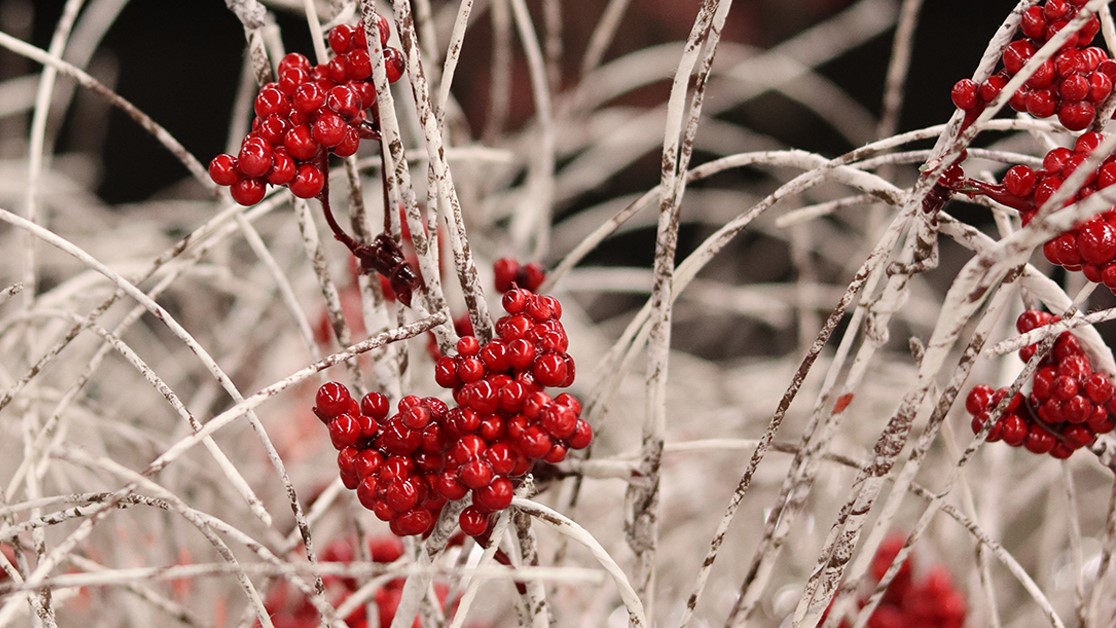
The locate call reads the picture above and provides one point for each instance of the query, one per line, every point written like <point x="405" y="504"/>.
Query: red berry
<point x="1033" y="24"/>
<point x="300" y="143"/>
<point x="992" y="86"/>
<point x="1013" y="430"/>
<point x="1100" y="86"/>
<point x="402" y="495"/>
<point x="309" y="97"/>
<point x="475" y="473"/>
<point x="470" y="369"/>
<point x="1096" y="241"/>
<point x="494" y="496"/>
<point x="348" y="145"/>
<point x="1041" y="103"/>
<point x="473" y="522"/>
<point x="394" y="63"/>
<point x="532" y="276"/>
<point x="964" y="95"/>
<point x="550" y="369"/>
<point x="329" y="129"/>
<point x="449" y="485"/>
<point x="375" y="405"/>
<point x="271" y="101"/>
<point x="1039" y="441"/>
<point x="254" y="159"/>
<point x="332" y="399"/>
<point x="1074" y="88"/>
<point x="309" y="181"/>
<point x="344" y="100"/>
<point x="248" y="191"/>
<point x="283" y="168"/>
<point x="367" y="463"/>
<point x="1075" y="116"/>
<point x="559" y="421"/>
<point x="499" y="456"/>
<point x="468" y="346"/>
<point x="223" y="171"/>
<point x="340" y="38"/>
<point x="358" y="67"/>
<point x="344" y="431"/>
<point x="1016" y="54"/>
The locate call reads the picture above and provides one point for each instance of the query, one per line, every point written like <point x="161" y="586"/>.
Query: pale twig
<point x="571" y="529"/>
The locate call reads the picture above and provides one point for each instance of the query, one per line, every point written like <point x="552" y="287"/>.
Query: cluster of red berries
<point x="1070" y="84"/>
<point x="509" y="273"/>
<point x="406" y="466"/>
<point x="506" y="418"/>
<point x="289" y="608"/>
<point x="1090" y="247"/>
<point x="309" y="112"/>
<point x="1068" y="406"/>
<point x="932" y="602"/>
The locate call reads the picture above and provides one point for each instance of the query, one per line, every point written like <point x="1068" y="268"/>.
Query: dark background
<point x="180" y="63"/>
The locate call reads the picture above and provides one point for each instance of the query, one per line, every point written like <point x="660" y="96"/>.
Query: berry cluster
<point x="309" y="112"/>
<point x="406" y="466"/>
<point x="289" y="608"/>
<point x="932" y="602"/>
<point x="505" y="420"/>
<point x="1090" y="247"/>
<point x="1069" y="404"/>
<point x="1071" y="84"/>
<point x="510" y="273"/>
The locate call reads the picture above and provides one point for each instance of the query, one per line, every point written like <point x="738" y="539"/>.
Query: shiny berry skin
<point x="309" y="97"/>
<point x="283" y="168"/>
<point x="308" y="183"/>
<point x="581" y="436"/>
<point x="375" y="405"/>
<point x="514" y="301"/>
<point x="550" y="369"/>
<point x="300" y="143"/>
<point x="468" y="346"/>
<point x="222" y="169"/>
<point x="332" y="399"/>
<point x="475" y="473"/>
<point x="450" y="486"/>
<point x="1096" y="241"/>
<point x="1075" y="116"/>
<point x="494" y="496"/>
<point x="329" y="129"/>
<point x="964" y="95"/>
<point x="1039" y="441"/>
<point x="248" y="191"/>
<point x="394" y="63"/>
<point x="254" y="159"/>
<point x="472" y="521"/>
<point x="344" y="100"/>
<point x="341" y="38"/>
<point x="470" y="369"/>
<point x="271" y="101"/>
<point x="402" y="495"/>
<point x="348" y="144"/>
<point x="344" y="431"/>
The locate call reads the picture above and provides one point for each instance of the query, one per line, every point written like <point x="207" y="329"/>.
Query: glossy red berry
<point x="473" y="522"/>
<point x="223" y="171"/>
<point x="308" y="183"/>
<point x="248" y="191"/>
